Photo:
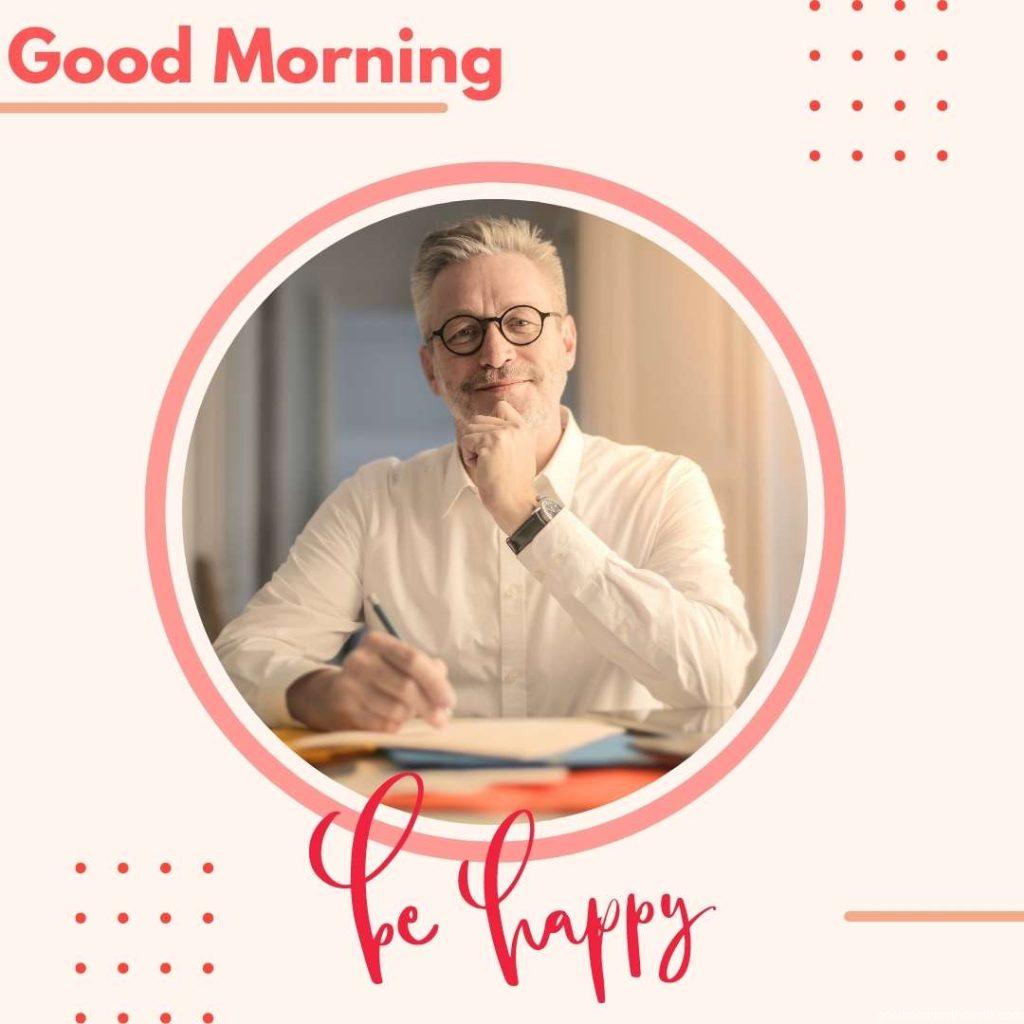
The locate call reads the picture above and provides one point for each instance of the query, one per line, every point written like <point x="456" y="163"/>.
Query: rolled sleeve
<point x="565" y="556"/>
<point x="301" y="618"/>
<point x="676" y="623"/>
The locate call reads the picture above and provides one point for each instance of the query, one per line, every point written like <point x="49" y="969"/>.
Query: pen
<point x="382" y="615"/>
<point x="441" y="714"/>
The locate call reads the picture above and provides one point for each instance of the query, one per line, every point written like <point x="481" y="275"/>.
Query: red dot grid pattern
<point x="899" y="105"/>
<point x="123" y="966"/>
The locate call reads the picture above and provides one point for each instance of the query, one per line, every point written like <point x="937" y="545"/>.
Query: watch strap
<point x="546" y="510"/>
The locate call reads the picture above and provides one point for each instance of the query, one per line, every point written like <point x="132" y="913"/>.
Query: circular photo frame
<point x="477" y="174"/>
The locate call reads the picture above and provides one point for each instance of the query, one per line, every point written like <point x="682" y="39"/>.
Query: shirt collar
<point x="563" y="467"/>
<point x="557" y="479"/>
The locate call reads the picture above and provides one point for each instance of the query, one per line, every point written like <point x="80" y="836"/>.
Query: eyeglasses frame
<point x="484" y="321"/>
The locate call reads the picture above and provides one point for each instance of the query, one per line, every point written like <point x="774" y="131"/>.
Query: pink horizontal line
<point x="223" y="108"/>
<point x="939" y="916"/>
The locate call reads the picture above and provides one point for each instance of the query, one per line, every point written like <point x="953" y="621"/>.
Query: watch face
<point x="550" y="507"/>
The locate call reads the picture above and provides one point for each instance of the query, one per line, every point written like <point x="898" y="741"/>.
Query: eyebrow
<point x="465" y="311"/>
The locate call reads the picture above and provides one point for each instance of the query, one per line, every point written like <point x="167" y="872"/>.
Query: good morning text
<point x="36" y="55"/>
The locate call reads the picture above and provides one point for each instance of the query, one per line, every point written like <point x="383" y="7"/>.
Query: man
<point x="528" y="568"/>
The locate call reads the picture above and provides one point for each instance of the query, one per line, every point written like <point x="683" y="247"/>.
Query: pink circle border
<point x="520" y="174"/>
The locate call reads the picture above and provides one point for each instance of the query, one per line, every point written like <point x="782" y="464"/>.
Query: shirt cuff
<point x="271" y="704"/>
<point x="566" y="555"/>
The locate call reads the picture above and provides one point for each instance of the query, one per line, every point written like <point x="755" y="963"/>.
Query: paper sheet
<point x="524" y="739"/>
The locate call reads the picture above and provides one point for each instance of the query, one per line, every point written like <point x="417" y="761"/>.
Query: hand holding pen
<point x="425" y="691"/>
<point x="382" y="684"/>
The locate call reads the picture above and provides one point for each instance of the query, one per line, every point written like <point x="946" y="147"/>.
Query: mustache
<point x="498" y="376"/>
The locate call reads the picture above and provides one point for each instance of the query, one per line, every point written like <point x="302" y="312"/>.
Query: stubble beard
<point x="460" y="402"/>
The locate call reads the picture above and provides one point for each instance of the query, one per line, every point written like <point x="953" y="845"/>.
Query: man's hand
<point x="382" y="683"/>
<point x="500" y="453"/>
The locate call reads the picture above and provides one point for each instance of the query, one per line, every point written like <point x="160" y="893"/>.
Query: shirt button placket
<point x="511" y="596"/>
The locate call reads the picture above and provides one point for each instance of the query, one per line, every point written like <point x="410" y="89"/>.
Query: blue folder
<point x="611" y="752"/>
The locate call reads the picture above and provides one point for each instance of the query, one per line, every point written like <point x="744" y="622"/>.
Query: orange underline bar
<point x="223" y="108"/>
<point x="937" y="916"/>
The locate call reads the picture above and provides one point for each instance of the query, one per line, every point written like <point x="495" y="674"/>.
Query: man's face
<point x="530" y="377"/>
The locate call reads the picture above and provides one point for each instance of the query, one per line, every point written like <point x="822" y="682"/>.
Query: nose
<point x="496" y="349"/>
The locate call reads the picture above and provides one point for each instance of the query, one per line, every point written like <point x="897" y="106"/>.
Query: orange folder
<point x="582" y="790"/>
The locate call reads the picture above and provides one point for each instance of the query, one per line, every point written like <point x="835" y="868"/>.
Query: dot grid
<point x="124" y="917"/>
<point x="899" y="105"/>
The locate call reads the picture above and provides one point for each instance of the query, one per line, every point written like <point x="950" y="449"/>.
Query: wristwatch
<point x="546" y="510"/>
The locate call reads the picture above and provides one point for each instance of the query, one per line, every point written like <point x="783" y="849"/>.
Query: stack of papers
<point x="523" y="740"/>
<point x="493" y="766"/>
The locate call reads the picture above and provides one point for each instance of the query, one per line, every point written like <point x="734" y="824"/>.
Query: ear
<point x="427" y="363"/>
<point x="569" y="340"/>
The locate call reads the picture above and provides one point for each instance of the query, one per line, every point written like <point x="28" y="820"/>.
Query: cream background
<point x="893" y="778"/>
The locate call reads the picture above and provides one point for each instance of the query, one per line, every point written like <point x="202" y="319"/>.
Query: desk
<point x="549" y="790"/>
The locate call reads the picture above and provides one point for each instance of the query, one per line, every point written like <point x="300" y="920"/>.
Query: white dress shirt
<point x="623" y="600"/>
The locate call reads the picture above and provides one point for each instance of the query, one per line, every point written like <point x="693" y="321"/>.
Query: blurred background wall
<point x="325" y="376"/>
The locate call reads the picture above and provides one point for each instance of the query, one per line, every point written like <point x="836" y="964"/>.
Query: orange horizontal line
<point x="223" y="108"/>
<point x="942" y="916"/>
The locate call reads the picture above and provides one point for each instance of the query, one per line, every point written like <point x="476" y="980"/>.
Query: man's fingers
<point x="431" y="674"/>
<point x="489" y="425"/>
<point x="391" y="712"/>
<point x="484" y="429"/>
<point x="368" y="671"/>
<point x="508" y="412"/>
<point x="484" y="420"/>
<point x="347" y="709"/>
<point x="473" y="443"/>
<point x="363" y="707"/>
<point x="475" y="437"/>
<point x="370" y="720"/>
<point x="401" y="688"/>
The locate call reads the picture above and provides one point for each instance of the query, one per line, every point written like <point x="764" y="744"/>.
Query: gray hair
<point x="482" y="236"/>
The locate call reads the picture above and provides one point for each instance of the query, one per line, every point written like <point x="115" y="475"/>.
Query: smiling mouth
<point x="498" y="385"/>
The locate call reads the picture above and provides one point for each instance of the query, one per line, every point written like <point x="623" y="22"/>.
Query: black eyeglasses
<point x="463" y="335"/>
